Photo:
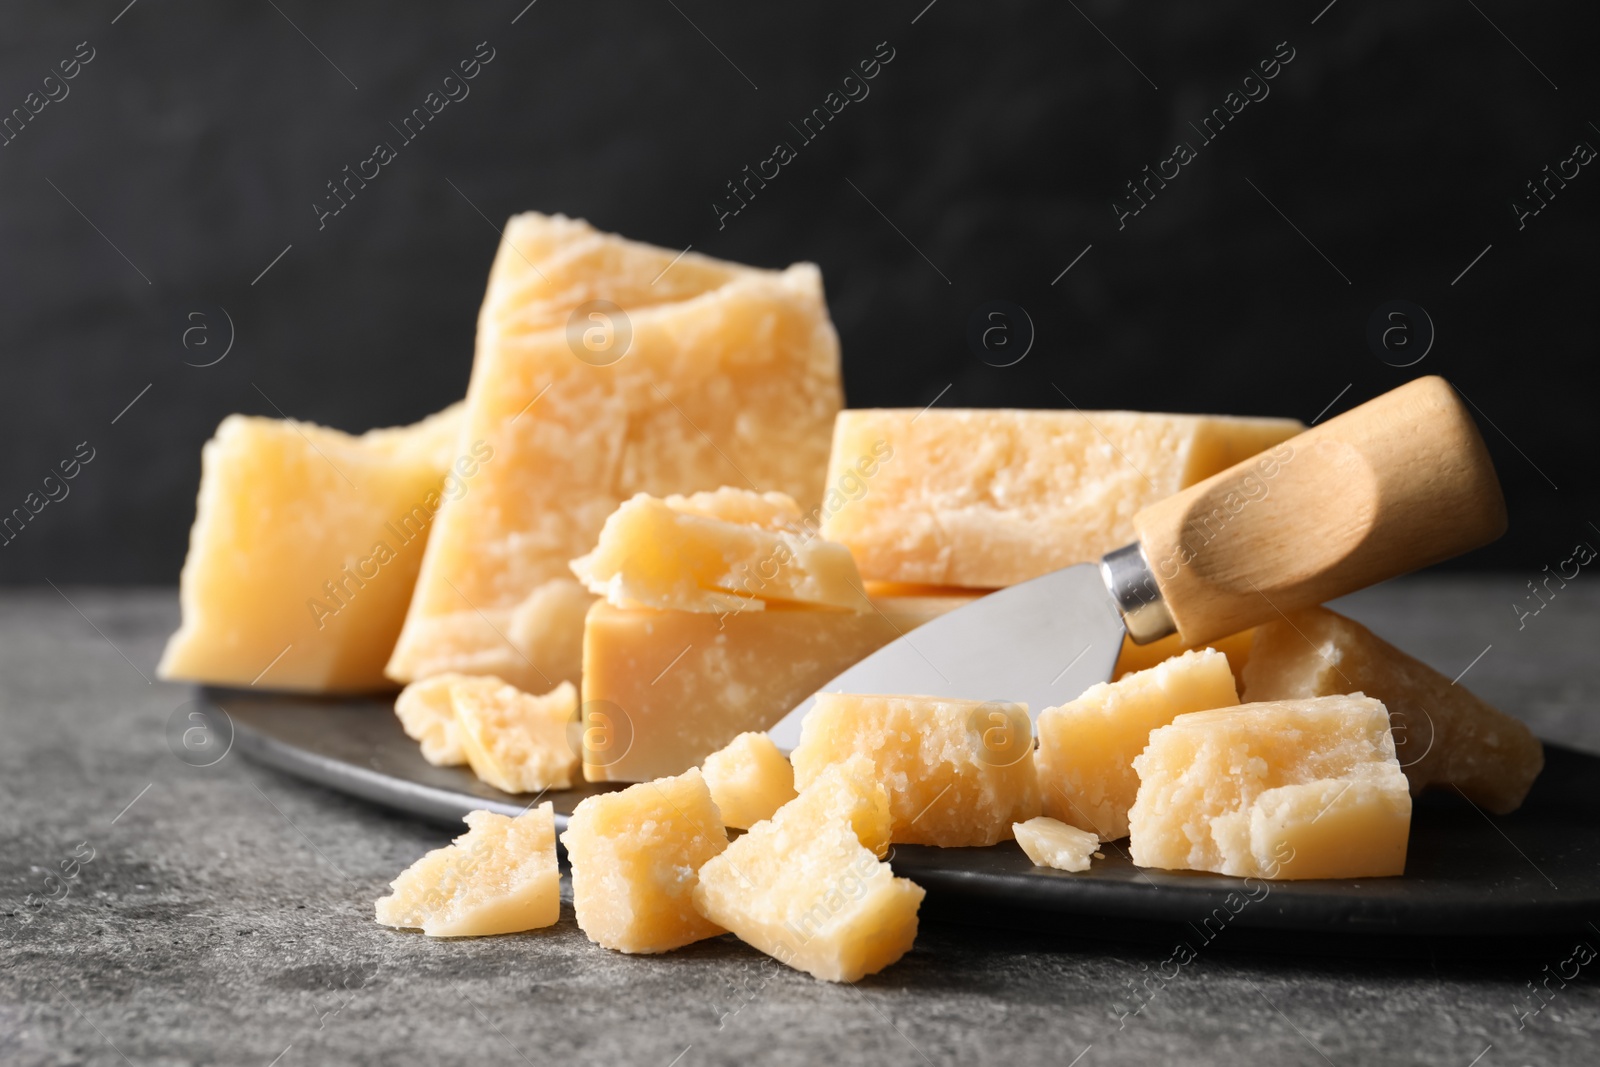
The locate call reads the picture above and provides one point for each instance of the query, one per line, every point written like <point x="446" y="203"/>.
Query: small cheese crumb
<point x="749" y="780"/>
<point x="1050" y="843"/>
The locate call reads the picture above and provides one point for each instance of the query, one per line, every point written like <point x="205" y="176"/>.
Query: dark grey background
<point x="194" y="144"/>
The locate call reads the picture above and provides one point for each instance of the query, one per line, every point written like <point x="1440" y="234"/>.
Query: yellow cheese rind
<point x="804" y="888"/>
<point x="515" y="741"/>
<point x="1287" y="789"/>
<point x="749" y="780"/>
<point x="958" y="772"/>
<point x="497" y="878"/>
<point x="1050" y="843"/>
<point x="988" y="498"/>
<point x="634" y="857"/>
<point x="427" y="713"/>
<point x="1087" y="746"/>
<point x="305" y="546"/>
<point x="729" y="373"/>
<point x="1444" y="734"/>
<point x="682" y="554"/>
<point x="674" y="686"/>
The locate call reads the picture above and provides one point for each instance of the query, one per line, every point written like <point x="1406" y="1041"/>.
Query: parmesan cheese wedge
<point x="635" y="857"/>
<point x="515" y="741"/>
<point x="804" y="888"/>
<point x="1049" y="843"/>
<point x="691" y="374"/>
<point x="1287" y="789"/>
<point x="727" y="551"/>
<point x="987" y="498"/>
<point x="1087" y="746"/>
<point x="497" y="878"/>
<point x="958" y="772"/>
<point x="1444" y="735"/>
<point x="305" y="548"/>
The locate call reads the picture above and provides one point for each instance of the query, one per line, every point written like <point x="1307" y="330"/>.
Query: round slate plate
<point x="1468" y="874"/>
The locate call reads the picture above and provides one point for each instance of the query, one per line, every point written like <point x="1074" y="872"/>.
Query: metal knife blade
<point x="1042" y="642"/>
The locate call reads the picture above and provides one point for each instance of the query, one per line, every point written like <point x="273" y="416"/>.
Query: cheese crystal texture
<point x="515" y="741"/>
<point x="1049" y="843"/>
<point x="1288" y="789"/>
<point x="662" y="690"/>
<point x="497" y="878"/>
<point x="1087" y="746"/>
<point x="731" y="550"/>
<point x="427" y="713"/>
<point x="606" y="368"/>
<point x="1444" y="735"/>
<point x="635" y="855"/>
<point x="988" y="498"/>
<point x="958" y="772"/>
<point x="305" y="546"/>
<point x="804" y="888"/>
<point x="749" y="780"/>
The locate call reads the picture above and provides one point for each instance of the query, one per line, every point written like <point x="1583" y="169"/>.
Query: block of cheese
<point x="723" y="551"/>
<point x="716" y="373"/>
<point x="1444" y="735"/>
<point x="515" y="741"/>
<point x="749" y="780"/>
<point x="1049" y="843"/>
<point x="988" y="498"/>
<point x="1142" y="657"/>
<point x="672" y="687"/>
<point x="634" y="857"/>
<point x="497" y="878"/>
<point x="803" y="888"/>
<point x="958" y="772"/>
<point x="305" y="547"/>
<point x="427" y="713"/>
<point x="1086" y="746"/>
<point x="1288" y="789"/>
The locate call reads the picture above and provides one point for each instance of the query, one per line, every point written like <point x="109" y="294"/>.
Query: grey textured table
<point x="225" y="914"/>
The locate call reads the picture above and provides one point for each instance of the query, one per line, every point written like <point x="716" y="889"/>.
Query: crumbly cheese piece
<point x="515" y="741"/>
<point x="749" y="780"/>
<point x="705" y="373"/>
<point x="1142" y="657"/>
<point x="988" y="498"/>
<point x="662" y="690"/>
<point x="1049" y="843"/>
<point x="1086" y="746"/>
<point x="958" y="772"/>
<point x="427" y="713"/>
<point x="1444" y="735"/>
<point x="732" y="550"/>
<point x="804" y="888"/>
<point x="1288" y="789"/>
<point x="635" y="857"/>
<point x="497" y="878"/>
<point x="305" y="547"/>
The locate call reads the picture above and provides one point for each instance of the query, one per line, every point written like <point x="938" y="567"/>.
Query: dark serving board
<point x="1468" y="874"/>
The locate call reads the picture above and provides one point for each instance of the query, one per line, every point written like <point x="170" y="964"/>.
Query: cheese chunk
<point x="720" y="552"/>
<point x="515" y="741"/>
<point x="1290" y="789"/>
<point x="803" y="887"/>
<point x="305" y="548"/>
<point x="1049" y="843"/>
<point x="1086" y="746"/>
<point x="1142" y="657"/>
<point x="1444" y="735"/>
<point x="715" y="373"/>
<point x="662" y="690"/>
<point x="988" y="498"/>
<point x="958" y="772"/>
<point x="497" y="878"/>
<point x="749" y="780"/>
<point x="427" y="713"/>
<point x="634" y="857"/>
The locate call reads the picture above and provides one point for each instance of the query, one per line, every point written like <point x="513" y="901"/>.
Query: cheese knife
<point x="1399" y="483"/>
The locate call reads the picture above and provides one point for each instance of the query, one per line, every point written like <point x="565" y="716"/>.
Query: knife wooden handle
<point x="1399" y="483"/>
